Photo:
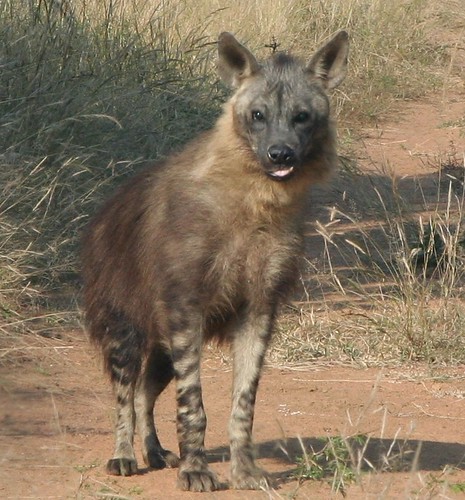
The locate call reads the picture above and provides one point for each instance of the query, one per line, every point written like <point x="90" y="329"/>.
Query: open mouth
<point x="282" y="173"/>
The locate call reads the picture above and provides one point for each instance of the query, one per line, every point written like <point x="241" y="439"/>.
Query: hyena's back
<point x="206" y="245"/>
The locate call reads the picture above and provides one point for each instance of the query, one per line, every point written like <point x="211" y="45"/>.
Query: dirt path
<point x="56" y="418"/>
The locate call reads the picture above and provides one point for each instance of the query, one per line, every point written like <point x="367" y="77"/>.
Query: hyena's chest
<point x="251" y="267"/>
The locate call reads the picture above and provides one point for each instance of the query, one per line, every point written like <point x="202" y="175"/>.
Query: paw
<point x="159" y="459"/>
<point x="251" y="479"/>
<point x="122" y="466"/>
<point x="171" y="459"/>
<point x="198" y="480"/>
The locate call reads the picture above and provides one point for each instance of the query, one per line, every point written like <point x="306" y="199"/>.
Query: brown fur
<point x="206" y="246"/>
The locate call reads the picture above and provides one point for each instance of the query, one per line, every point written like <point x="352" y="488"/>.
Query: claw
<point x="122" y="466"/>
<point x="256" y="479"/>
<point x="198" y="480"/>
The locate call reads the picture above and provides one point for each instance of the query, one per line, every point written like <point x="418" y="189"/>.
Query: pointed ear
<point x="329" y="64"/>
<point x="235" y="62"/>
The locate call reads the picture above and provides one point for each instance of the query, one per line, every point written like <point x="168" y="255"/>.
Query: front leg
<point x="194" y="473"/>
<point x="249" y="346"/>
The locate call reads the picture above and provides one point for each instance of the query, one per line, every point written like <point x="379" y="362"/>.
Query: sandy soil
<point x="56" y="407"/>
<point x="56" y="427"/>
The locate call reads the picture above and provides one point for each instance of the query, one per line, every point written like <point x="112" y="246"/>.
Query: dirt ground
<point x="56" y="408"/>
<point x="56" y="427"/>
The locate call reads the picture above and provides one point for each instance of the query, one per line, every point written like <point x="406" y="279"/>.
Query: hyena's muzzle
<point x="283" y="138"/>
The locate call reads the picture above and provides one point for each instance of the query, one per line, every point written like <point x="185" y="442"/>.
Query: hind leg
<point x="157" y="375"/>
<point x="123" y="349"/>
<point x="124" y="461"/>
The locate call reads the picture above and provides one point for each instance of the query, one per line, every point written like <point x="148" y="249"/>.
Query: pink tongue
<point x="283" y="172"/>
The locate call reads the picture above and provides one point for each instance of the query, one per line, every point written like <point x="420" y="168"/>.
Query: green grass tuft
<point x="334" y="462"/>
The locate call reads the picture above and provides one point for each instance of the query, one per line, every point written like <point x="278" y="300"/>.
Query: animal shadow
<point x="381" y="455"/>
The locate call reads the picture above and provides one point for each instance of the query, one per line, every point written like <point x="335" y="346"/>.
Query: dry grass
<point x="388" y="286"/>
<point x="353" y="462"/>
<point x="92" y="91"/>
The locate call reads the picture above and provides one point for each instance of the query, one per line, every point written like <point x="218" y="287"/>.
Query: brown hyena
<point x="205" y="246"/>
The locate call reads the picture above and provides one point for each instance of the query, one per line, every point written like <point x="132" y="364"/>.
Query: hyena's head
<point x="280" y="107"/>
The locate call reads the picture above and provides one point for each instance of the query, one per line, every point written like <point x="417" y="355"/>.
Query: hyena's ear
<point x="329" y="64"/>
<point x="235" y="62"/>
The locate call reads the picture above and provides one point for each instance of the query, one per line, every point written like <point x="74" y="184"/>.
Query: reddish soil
<point x="56" y="408"/>
<point x="56" y="427"/>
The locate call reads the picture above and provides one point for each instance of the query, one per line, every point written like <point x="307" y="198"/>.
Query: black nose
<point x="281" y="154"/>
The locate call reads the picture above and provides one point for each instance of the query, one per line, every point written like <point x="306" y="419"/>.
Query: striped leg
<point x="123" y="355"/>
<point x="194" y="473"/>
<point x="157" y="375"/>
<point x="249" y="347"/>
<point x="124" y="461"/>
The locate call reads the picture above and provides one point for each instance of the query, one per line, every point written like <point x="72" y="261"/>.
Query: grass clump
<point x="335" y="462"/>
<point x="387" y="284"/>
<point x="89" y="95"/>
<point x="457" y="487"/>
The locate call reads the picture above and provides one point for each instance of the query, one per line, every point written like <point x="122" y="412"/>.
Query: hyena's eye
<point x="301" y="117"/>
<point x="258" y="116"/>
